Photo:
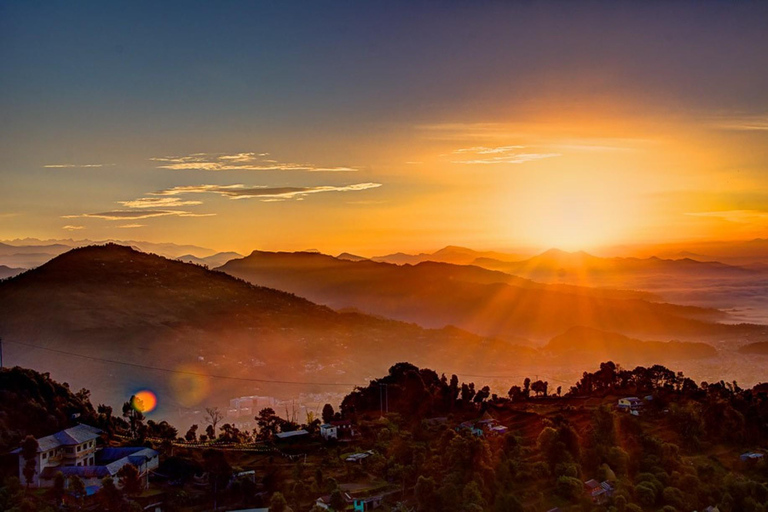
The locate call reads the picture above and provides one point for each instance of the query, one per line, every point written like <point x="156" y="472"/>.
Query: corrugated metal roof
<point x="68" y="437"/>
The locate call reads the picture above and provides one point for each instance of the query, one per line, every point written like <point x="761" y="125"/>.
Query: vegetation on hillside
<point x="433" y="451"/>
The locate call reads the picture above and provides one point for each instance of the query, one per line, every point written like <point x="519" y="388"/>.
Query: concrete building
<point x="74" y="451"/>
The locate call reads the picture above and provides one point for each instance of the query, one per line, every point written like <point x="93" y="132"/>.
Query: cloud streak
<point x="238" y="162"/>
<point x="483" y="155"/>
<point x="75" y="166"/>
<point x="737" y="216"/>
<point x="264" y="193"/>
<point x="743" y="123"/>
<point x="136" y="214"/>
<point x="158" y="202"/>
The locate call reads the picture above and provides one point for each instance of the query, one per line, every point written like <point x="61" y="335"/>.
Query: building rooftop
<point x="68" y="437"/>
<point x="294" y="433"/>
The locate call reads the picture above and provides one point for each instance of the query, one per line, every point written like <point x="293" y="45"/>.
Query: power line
<point x="229" y="377"/>
<point x="183" y="372"/>
<point x="510" y="377"/>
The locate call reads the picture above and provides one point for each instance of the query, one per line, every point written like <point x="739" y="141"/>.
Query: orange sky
<point x="496" y="127"/>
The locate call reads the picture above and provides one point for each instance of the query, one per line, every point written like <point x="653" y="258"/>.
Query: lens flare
<point x="144" y="401"/>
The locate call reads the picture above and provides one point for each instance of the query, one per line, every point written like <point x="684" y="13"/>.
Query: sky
<point x="374" y="127"/>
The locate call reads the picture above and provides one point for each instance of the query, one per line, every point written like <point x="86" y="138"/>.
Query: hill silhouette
<point x="6" y="271"/>
<point x="115" y="302"/>
<point x="449" y="254"/>
<point x="485" y="302"/>
<point x="586" y="344"/>
<point x="558" y="263"/>
<point x="759" y="348"/>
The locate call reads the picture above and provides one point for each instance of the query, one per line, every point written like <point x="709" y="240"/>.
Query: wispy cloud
<point x="264" y="193"/>
<point x="239" y="162"/>
<point x="744" y="123"/>
<point x="737" y="216"/>
<point x="74" y="166"/>
<point x="131" y="226"/>
<point x="136" y="214"/>
<point x="72" y="228"/>
<point x="158" y="202"/>
<point x="483" y="150"/>
<point x="484" y="155"/>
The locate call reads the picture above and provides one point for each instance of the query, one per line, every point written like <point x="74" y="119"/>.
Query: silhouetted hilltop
<point x="449" y="254"/>
<point x="350" y="257"/>
<point x="31" y="403"/>
<point x="759" y="348"/>
<point x="117" y="303"/>
<point x="557" y="263"/>
<point x="6" y="271"/>
<point x="580" y="343"/>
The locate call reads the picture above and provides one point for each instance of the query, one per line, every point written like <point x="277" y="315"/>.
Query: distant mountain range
<point x="555" y="263"/>
<point x="6" y="272"/>
<point x="586" y="344"/>
<point x="450" y="254"/>
<point x="488" y="303"/>
<point x="147" y="315"/>
<point x="32" y="252"/>
<point x="117" y="303"/>
<point x="212" y="261"/>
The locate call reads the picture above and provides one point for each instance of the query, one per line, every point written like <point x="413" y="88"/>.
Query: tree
<point x="328" y="413"/>
<point x="77" y="487"/>
<point x="425" y="494"/>
<point x="506" y="502"/>
<point x="337" y="501"/>
<point x="278" y="503"/>
<point x="527" y="387"/>
<point x="191" y="434"/>
<point x="29" y="449"/>
<point x="646" y="493"/>
<point x="111" y="496"/>
<point x="268" y="423"/>
<point x="58" y="487"/>
<point x="130" y="480"/>
<point x="214" y="417"/>
<point x="515" y="393"/>
<point x="569" y="488"/>
<point x="483" y="394"/>
<point x="540" y="387"/>
<point x="132" y="410"/>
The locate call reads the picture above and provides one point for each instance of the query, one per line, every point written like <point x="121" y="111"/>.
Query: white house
<point x="630" y="403"/>
<point x="73" y="447"/>
<point x="73" y="452"/>
<point x="328" y="431"/>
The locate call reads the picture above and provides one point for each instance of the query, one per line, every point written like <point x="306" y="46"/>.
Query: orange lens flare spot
<point x="190" y="388"/>
<point x="144" y="401"/>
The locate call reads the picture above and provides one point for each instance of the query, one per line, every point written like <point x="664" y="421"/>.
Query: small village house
<point x="75" y="452"/>
<point x="328" y="431"/>
<point x="631" y="403"/>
